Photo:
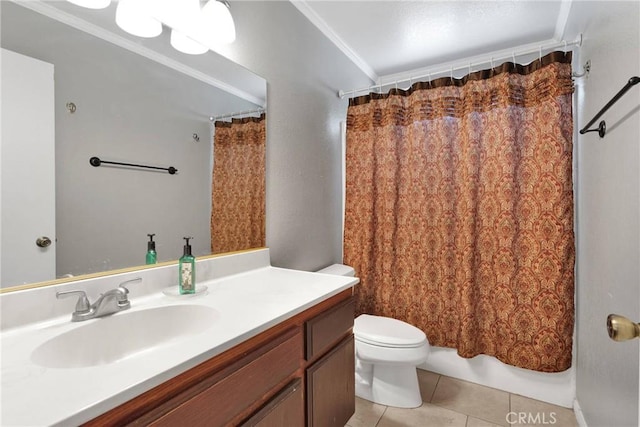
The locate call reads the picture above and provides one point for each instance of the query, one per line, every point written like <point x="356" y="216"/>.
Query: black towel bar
<point x="95" y="161"/>
<point x="602" y="126"/>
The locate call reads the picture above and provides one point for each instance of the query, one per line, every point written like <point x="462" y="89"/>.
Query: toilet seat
<point x="387" y="332"/>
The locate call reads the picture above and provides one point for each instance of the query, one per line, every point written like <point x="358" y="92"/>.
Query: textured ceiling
<point x="393" y="37"/>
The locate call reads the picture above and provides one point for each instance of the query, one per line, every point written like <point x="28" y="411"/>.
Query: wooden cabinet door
<point x="331" y="387"/>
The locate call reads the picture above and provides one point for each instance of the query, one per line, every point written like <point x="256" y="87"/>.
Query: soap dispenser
<point x="152" y="256"/>
<point x="187" y="266"/>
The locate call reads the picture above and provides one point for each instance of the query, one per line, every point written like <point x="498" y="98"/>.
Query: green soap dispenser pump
<point x="187" y="266"/>
<point x="152" y="256"/>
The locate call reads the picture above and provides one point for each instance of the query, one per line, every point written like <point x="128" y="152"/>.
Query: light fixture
<point x="218" y="21"/>
<point x="133" y="17"/>
<point x="91" y="4"/>
<point x="186" y="44"/>
<point x="194" y="29"/>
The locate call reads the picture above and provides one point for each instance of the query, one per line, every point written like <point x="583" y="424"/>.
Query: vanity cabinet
<point x="299" y="372"/>
<point x="286" y="409"/>
<point x="330" y="374"/>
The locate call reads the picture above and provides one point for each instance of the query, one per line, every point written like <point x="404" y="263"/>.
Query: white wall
<point x="608" y="212"/>
<point x="304" y="70"/>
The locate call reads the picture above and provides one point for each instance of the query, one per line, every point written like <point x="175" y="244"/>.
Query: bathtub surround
<point x="557" y="388"/>
<point x="238" y="194"/>
<point x="459" y="210"/>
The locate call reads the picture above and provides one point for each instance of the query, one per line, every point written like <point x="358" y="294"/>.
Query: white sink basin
<point x="111" y="338"/>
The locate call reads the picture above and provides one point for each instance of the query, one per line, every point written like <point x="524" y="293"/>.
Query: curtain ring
<point x="540" y="55"/>
<point x="469" y="68"/>
<point x="492" y="63"/>
<point x="452" y="75"/>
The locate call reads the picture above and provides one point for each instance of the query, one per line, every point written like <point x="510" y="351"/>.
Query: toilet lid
<point x="387" y="332"/>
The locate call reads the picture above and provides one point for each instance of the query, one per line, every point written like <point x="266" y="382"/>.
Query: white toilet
<point x="387" y="353"/>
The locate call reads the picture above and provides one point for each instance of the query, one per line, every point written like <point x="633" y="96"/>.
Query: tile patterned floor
<point x="449" y="402"/>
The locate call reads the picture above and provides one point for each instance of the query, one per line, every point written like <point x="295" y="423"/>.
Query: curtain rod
<point x="238" y="113"/>
<point x="467" y="65"/>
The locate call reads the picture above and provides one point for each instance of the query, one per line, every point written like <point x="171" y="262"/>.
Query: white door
<point x="28" y="170"/>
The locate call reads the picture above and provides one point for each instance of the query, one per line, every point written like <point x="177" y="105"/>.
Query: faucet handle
<point x="83" y="305"/>
<point x="124" y="289"/>
<point x="121" y="285"/>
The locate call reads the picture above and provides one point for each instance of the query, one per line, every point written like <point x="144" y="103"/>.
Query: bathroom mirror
<point x="128" y="100"/>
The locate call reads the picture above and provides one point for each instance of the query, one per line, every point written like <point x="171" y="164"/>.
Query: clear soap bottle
<point x="152" y="256"/>
<point x="187" y="270"/>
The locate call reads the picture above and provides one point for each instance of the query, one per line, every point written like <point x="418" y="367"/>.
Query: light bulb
<point x="134" y="18"/>
<point x="91" y="4"/>
<point x="219" y="22"/>
<point x="185" y="44"/>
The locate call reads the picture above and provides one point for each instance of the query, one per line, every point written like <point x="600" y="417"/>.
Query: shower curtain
<point x="238" y="190"/>
<point x="459" y="210"/>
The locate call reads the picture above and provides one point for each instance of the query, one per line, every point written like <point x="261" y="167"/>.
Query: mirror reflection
<point x="75" y="96"/>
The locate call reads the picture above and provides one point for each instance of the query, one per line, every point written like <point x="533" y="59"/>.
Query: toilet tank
<point x="338" y="270"/>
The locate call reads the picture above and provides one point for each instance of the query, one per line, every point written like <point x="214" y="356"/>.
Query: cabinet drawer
<point x="328" y="328"/>
<point x="221" y="402"/>
<point x="285" y="409"/>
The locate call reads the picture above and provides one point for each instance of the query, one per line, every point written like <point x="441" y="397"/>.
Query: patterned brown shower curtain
<point x="459" y="210"/>
<point x="238" y="191"/>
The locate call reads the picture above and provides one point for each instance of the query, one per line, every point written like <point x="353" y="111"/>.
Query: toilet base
<point x="388" y="384"/>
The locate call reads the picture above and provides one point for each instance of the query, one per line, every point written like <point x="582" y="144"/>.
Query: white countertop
<point x="246" y="304"/>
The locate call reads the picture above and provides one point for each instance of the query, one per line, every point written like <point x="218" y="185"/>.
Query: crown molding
<point x="108" y="36"/>
<point x="304" y="8"/>
<point x="563" y="19"/>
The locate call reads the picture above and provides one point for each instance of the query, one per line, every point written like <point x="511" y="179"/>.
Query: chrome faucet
<point x="108" y="303"/>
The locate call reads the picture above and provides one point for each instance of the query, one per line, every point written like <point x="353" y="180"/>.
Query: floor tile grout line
<point x="381" y="415"/>
<point x="433" y="393"/>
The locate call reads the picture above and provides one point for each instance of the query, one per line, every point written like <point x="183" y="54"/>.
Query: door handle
<point x="622" y="329"/>
<point x="43" y="242"/>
